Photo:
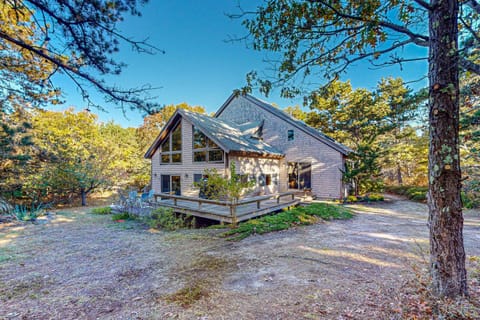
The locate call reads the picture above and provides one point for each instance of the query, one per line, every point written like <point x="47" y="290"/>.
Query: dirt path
<point x="82" y="266"/>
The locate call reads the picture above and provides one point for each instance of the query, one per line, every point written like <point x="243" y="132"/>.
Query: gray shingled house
<point x="280" y="153"/>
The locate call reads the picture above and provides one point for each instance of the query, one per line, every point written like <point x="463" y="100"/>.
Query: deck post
<point x="174" y="201"/>
<point x="233" y="214"/>
<point x="258" y="204"/>
<point x="278" y="199"/>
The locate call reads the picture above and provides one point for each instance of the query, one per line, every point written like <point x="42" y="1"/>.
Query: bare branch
<point x="469" y="65"/>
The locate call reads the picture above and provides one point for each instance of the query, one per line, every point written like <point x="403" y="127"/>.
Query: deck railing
<point x="231" y="205"/>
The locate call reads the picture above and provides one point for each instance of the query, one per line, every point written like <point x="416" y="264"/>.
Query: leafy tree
<point x="296" y="112"/>
<point x="325" y="37"/>
<point x="359" y="119"/>
<point x="220" y="187"/>
<point x="39" y="38"/>
<point x="127" y="166"/>
<point x="78" y="157"/>
<point x="406" y="158"/>
<point x="153" y="124"/>
<point x="15" y="150"/>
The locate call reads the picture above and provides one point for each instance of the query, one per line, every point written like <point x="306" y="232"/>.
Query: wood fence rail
<point x="227" y="211"/>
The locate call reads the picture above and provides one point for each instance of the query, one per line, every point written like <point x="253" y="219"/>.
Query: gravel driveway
<point x="83" y="266"/>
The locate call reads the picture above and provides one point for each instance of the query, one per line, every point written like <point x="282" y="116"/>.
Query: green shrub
<point x="287" y="219"/>
<point x="24" y="213"/>
<point x="375" y="197"/>
<point x="470" y="200"/>
<point x="412" y="192"/>
<point x="351" y="199"/>
<point x="122" y="216"/>
<point x="102" y="210"/>
<point x="165" y="218"/>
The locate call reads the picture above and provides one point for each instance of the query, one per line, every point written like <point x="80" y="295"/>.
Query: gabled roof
<point x="287" y="118"/>
<point x="226" y="135"/>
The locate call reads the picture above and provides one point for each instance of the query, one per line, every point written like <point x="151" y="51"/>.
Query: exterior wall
<point x="256" y="166"/>
<point x="186" y="169"/>
<point x="326" y="162"/>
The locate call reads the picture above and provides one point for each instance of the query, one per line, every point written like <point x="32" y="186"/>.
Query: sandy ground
<point x="83" y="266"/>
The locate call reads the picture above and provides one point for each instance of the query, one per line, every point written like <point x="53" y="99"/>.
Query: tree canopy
<point x="40" y="38"/>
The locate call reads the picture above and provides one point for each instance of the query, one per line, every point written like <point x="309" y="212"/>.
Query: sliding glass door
<point x="299" y="175"/>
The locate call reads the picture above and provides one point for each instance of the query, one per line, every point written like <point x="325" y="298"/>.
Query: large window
<point x="204" y="149"/>
<point x="172" y="147"/>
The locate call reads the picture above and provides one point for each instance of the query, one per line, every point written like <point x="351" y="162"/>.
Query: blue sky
<point x="199" y="66"/>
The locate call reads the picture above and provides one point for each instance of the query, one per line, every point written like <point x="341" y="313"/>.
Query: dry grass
<point x="85" y="266"/>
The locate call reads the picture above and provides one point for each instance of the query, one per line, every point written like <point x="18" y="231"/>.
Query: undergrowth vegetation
<point x="102" y="210"/>
<point x="286" y="219"/>
<point x="165" y="218"/>
<point x="417" y="300"/>
<point x="412" y="192"/>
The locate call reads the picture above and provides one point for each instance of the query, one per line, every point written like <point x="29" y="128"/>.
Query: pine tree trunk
<point x="447" y="254"/>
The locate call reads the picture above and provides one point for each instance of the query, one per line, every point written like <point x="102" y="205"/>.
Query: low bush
<point x="374" y="197"/>
<point x="415" y="193"/>
<point x="102" y="210"/>
<point x="24" y="213"/>
<point x="165" y="218"/>
<point x="122" y="216"/>
<point x="287" y="219"/>
<point x="351" y="199"/>
<point x="470" y="200"/>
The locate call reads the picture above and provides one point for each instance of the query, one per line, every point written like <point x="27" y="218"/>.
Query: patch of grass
<point x="189" y="294"/>
<point x="101" y="210"/>
<point x="287" y="219"/>
<point x="201" y="276"/>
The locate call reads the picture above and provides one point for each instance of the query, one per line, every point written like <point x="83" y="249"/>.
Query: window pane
<point x="212" y="144"/>
<point x="215" y="155"/>
<point x="197" y="177"/>
<point x="290" y="135"/>
<point x="176" y="157"/>
<point x="166" y="145"/>
<point x="177" y="138"/>
<point x="199" y="139"/>
<point x="200" y="156"/>
<point x="165" y="183"/>
<point x="165" y="158"/>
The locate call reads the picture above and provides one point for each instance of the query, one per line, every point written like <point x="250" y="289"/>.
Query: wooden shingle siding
<point x="254" y="166"/>
<point x="326" y="161"/>
<point x="186" y="169"/>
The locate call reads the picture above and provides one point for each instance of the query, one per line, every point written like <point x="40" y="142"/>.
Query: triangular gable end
<point x="286" y="117"/>
<point x="171" y="124"/>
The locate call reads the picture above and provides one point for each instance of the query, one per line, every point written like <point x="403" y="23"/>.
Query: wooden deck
<point x="225" y="211"/>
